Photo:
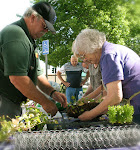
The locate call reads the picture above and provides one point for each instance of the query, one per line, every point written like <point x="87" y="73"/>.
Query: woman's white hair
<point x="88" y="41"/>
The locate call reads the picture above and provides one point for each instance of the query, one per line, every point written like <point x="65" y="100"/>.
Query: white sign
<point x="45" y="47"/>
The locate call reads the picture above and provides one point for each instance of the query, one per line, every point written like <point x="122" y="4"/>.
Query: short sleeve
<point x="62" y="69"/>
<point x="111" y="68"/>
<point x="15" y="49"/>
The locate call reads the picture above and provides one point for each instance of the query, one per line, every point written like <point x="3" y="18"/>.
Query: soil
<point x="75" y="110"/>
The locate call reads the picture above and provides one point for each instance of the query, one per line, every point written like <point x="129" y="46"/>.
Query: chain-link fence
<point x="78" y="139"/>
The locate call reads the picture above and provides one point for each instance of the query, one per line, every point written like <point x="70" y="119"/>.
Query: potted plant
<point x="76" y="109"/>
<point x="120" y="114"/>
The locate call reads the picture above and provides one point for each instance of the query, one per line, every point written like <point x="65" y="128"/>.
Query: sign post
<point x="45" y="51"/>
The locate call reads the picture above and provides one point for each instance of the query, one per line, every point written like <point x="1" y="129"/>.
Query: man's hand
<point x="50" y="107"/>
<point x="60" y="97"/>
<point x="25" y="85"/>
<point x="67" y="84"/>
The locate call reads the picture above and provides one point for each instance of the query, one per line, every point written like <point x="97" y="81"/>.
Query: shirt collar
<point x="23" y="25"/>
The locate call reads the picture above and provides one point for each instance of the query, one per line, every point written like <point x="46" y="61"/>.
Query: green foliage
<point x="133" y="13"/>
<point x="62" y="88"/>
<point x="74" y="101"/>
<point x="33" y="117"/>
<point x="119" y="20"/>
<point x="120" y="114"/>
<point x="6" y="129"/>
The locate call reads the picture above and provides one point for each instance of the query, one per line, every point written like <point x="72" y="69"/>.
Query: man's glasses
<point x="44" y="25"/>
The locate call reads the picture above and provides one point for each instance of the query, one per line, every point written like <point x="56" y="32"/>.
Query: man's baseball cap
<point x="48" y="14"/>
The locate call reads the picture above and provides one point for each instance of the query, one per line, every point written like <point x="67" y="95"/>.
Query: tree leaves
<point x="109" y="16"/>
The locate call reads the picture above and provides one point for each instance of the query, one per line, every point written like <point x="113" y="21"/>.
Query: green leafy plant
<point x="62" y="88"/>
<point x="120" y="114"/>
<point x="6" y="129"/>
<point x="27" y="122"/>
<point x="74" y="101"/>
<point x="33" y="117"/>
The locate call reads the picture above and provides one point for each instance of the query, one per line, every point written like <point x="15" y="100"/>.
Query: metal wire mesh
<point x="78" y="139"/>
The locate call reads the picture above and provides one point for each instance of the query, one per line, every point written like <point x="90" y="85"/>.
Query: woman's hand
<point x="87" y="115"/>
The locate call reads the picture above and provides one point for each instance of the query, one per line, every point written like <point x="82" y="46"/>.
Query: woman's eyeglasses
<point x="86" y="61"/>
<point x="83" y="59"/>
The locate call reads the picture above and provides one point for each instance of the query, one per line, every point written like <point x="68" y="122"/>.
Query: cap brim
<point x="50" y="26"/>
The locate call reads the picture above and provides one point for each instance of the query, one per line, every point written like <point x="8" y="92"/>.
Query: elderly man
<point x="19" y="63"/>
<point x="74" y="82"/>
<point x="119" y="68"/>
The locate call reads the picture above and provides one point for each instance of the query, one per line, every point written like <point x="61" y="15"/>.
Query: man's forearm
<point x="60" y="77"/>
<point x="25" y="85"/>
<point x="44" y="85"/>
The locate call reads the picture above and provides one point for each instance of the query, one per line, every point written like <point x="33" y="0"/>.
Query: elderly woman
<point x="120" y="69"/>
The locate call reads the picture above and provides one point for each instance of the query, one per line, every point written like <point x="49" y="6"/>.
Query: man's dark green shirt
<point x="18" y="57"/>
